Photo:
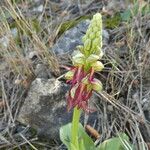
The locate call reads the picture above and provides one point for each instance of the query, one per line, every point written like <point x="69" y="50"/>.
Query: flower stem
<point x="75" y="126"/>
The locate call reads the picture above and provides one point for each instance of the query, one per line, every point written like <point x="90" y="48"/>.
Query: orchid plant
<point x="81" y="78"/>
<point x="85" y="61"/>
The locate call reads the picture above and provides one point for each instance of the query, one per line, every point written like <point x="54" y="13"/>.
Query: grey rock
<point x="42" y="71"/>
<point x="45" y="108"/>
<point x="70" y="39"/>
<point x="39" y="8"/>
<point x="117" y="5"/>
<point x="5" y="39"/>
<point x="4" y="42"/>
<point x="32" y="54"/>
<point x="14" y="32"/>
<point x="44" y="105"/>
<point x="106" y="37"/>
<point x="110" y="108"/>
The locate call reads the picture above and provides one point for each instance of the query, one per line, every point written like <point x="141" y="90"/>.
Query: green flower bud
<point x="77" y="54"/>
<point x="69" y="75"/>
<point x="80" y="48"/>
<point x="85" y="80"/>
<point x="78" y="58"/>
<point x="95" y="29"/>
<point x="98" y="34"/>
<point x="94" y="24"/>
<point x="92" y="36"/>
<point x="101" y="54"/>
<point x="90" y="52"/>
<point x="95" y="49"/>
<point x="96" y="85"/>
<point x="97" y="17"/>
<point x="96" y="42"/>
<point x="92" y="58"/>
<point x="84" y="38"/>
<point x="87" y="44"/>
<point x="78" y="61"/>
<point x="88" y="32"/>
<point x="98" y="66"/>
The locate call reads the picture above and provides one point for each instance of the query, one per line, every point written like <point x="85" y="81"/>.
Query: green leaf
<point x="65" y="135"/>
<point x="116" y="143"/>
<point x="85" y="142"/>
<point x="88" y="142"/>
<point x="126" y="16"/>
<point x="81" y="145"/>
<point x="131" y="12"/>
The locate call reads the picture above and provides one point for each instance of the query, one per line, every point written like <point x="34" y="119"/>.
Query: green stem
<point x="74" y="128"/>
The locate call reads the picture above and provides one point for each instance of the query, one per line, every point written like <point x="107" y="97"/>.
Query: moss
<point x="71" y="23"/>
<point x="113" y="22"/>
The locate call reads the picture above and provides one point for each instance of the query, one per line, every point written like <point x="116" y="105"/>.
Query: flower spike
<point x="86" y="62"/>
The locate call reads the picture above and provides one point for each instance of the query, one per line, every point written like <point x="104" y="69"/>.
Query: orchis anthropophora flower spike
<point x="86" y="62"/>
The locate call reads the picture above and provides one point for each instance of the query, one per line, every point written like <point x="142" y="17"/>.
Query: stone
<point x="39" y="8"/>
<point x="105" y="37"/>
<point x="6" y="38"/>
<point x="116" y="5"/>
<point x="4" y="41"/>
<point x="32" y="54"/>
<point x="44" y="102"/>
<point x="67" y="43"/>
<point x="42" y="71"/>
<point x="44" y="108"/>
<point x="110" y="108"/>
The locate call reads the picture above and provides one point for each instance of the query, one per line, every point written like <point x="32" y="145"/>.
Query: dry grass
<point x="29" y="40"/>
<point x="18" y="71"/>
<point x="126" y="60"/>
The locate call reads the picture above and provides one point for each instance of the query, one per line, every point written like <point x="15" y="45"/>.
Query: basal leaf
<point x="116" y="143"/>
<point x="85" y="142"/>
<point x="88" y="142"/>
<point x="65" y="135"/>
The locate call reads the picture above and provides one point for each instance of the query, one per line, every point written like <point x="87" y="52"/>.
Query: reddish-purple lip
<point x="82" y="93"/>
